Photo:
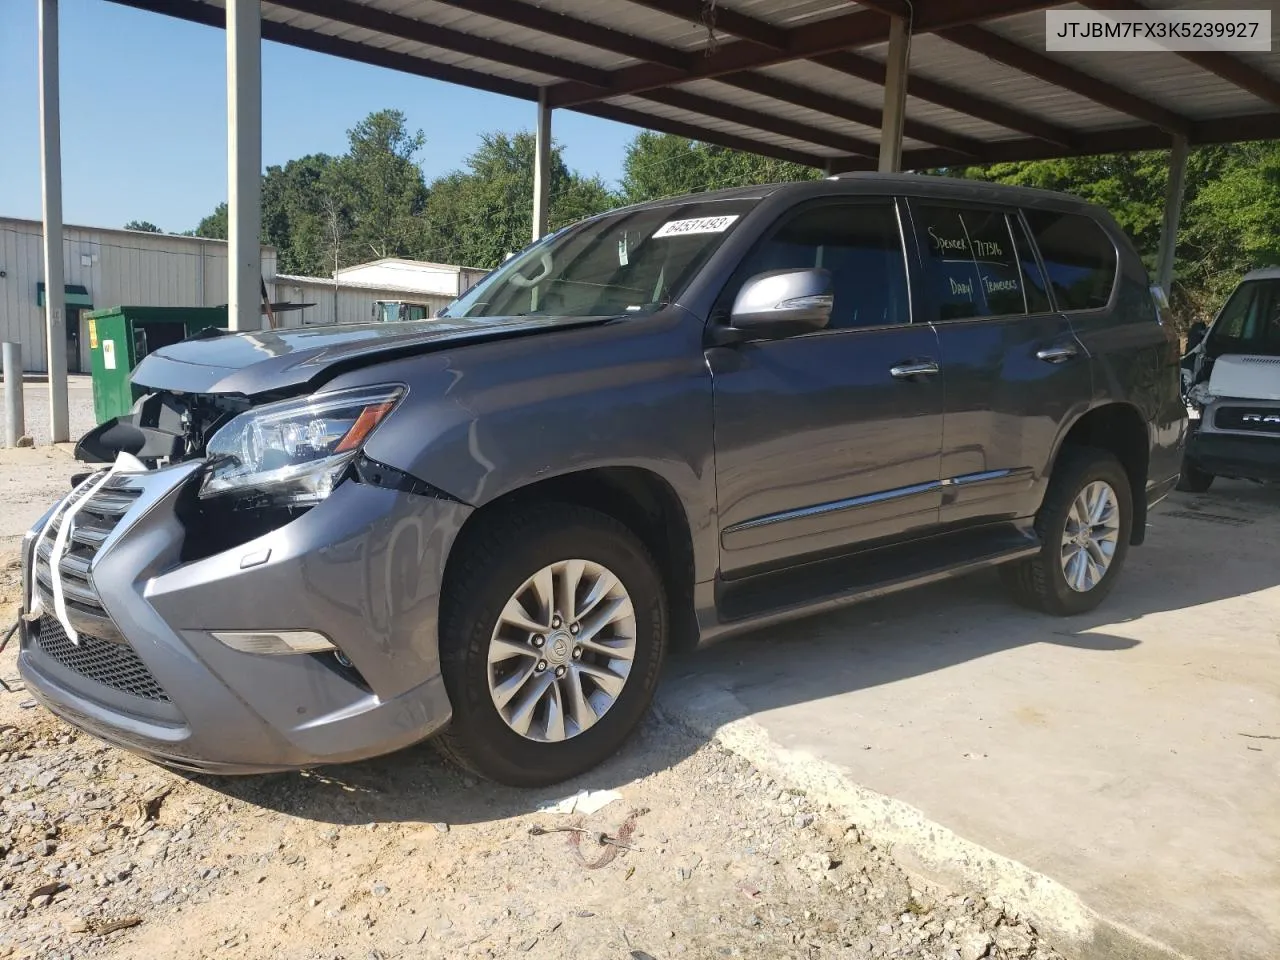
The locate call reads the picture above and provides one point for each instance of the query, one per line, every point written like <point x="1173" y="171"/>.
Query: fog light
<point x="275" y="642"/>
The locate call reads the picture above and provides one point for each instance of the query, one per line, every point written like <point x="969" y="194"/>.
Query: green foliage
<point x="214" y="226"/>
<point x="1230" y="214"/>
<point x="662" y="165"/>
<point x="479" y="215"/>
<point x="145" y="226"/>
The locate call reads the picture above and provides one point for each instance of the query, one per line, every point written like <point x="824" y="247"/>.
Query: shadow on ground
<point x="880" y="642"/>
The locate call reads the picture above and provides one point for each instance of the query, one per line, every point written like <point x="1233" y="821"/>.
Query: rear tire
<point x="1193" y="479"/>
<point x="519" y="556"/>
<point x="1078" y="562"/>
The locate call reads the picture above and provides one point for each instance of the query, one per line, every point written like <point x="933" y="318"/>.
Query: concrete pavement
<point x="1116" y="776"/>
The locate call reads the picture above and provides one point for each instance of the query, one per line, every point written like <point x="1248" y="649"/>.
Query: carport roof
<point x="802" y="80"/>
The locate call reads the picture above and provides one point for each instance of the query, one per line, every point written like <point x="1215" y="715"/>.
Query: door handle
<point x="905" y="371"/>
<point x="1058" y="354"/>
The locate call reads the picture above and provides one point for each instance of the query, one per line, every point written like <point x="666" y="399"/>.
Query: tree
<point x="143" y="226"/>
<point x="479" y="215"/>
<point x="663" y="165"/>
<point x="214" y="226"/>
<point x="296" y="201"/>
<point x="381" y="186"/>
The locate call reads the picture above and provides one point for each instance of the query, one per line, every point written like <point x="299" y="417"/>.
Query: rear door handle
<point x="1058" y="354"/>
<point x="922" y="368"/>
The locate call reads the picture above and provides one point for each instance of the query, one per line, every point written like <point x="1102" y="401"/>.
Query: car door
<point x="1015" y="372"/>
<point x="829" y="440"/>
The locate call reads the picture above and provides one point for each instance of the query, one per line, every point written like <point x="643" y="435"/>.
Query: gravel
<point x="103" y="854"/>
<point x="35" y="404"/>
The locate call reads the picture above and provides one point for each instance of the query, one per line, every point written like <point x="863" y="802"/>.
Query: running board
<point x="825" y="585"/>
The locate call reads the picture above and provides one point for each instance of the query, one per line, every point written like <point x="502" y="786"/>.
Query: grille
<point x="90" y="528"/>
<point x="111" y="664"/>
<point x="1260" y="420"/>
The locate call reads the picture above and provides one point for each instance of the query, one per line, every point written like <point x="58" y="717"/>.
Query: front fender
<point x="483" y="421"/>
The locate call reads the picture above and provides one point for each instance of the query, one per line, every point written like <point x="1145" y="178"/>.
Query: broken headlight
<point x="294" y="452"/>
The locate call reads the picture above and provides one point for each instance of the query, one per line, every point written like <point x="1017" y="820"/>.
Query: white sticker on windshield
<point x="676" y="228"/>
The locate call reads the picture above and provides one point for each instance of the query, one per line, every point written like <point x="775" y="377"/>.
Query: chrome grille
<point x="112" y="664"/>
<point x="91" y="526"/>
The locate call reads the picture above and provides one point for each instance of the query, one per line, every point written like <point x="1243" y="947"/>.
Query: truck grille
<point x="1255" y="420"/>
<point x="111" y="664"/>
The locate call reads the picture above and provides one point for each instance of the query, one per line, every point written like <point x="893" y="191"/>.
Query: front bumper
<point x="364" y="568"/>
<point x="1232" y="455"/>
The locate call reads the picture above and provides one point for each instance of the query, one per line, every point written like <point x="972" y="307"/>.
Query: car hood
<point x="271" y="361"/>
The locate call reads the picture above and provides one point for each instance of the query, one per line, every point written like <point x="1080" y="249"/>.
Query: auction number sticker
<point x="677" y="228"/>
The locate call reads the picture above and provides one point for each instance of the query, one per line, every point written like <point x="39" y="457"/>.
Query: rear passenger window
<point x="972" y="262"/>
<point x="858" y="242"/>
<point x="1078" y="256"/>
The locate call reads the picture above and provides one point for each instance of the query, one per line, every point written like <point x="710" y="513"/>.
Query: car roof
<point x="888" y="183"/>
<point x="1263" y="273"/>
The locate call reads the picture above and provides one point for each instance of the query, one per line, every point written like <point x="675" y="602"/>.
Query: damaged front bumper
<point x="123" y="642"/>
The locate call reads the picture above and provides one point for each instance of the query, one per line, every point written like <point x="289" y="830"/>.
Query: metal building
<point x="103" y="267"/>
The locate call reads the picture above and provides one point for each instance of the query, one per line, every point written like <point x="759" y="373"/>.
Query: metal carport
<point x="839" y="85"/>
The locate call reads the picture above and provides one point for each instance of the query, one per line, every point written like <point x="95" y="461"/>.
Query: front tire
<point x="1193" y="479"/>
<point x="1085" y="524"/>
<point x="553" y="629"/>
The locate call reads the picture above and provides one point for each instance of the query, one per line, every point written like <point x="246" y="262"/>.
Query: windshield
<point x="1250" y="322"/>
<point x="618" y="264"/>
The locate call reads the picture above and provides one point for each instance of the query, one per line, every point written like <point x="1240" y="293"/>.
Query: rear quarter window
<point x="1079" y="258"/>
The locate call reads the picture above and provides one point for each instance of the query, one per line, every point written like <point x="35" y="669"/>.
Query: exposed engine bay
<point x="162" y="428"/>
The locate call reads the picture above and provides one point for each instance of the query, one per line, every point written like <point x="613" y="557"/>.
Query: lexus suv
<point x="657" y="427"/>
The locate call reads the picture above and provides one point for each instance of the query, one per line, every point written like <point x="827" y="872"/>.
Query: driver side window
<point x="858" y="242"/>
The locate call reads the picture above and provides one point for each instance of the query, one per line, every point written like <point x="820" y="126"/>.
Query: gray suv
<point x="659" y="426"/>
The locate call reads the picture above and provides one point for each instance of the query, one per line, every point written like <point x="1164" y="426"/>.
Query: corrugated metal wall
<point x="117" y="267"/>
<point x="354" y="304"/>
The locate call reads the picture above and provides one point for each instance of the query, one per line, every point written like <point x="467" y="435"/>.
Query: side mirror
<point x="782" y="303"/>
<point x="1196" y="335"/>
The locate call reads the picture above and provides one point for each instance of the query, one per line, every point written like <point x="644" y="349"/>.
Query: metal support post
<point x="897" y="65"/>
<point x="244" y="164"/>
<point x="14" y="419"/>
<point x="542" y="167"/>
<point x="1172" y="213"/>
<point x="51" y="197"/>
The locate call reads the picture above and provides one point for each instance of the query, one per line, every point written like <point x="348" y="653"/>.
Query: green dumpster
<point x="119" y="337"/>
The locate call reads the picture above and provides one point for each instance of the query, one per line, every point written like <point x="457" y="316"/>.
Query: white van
<point x="1231" y="381"/>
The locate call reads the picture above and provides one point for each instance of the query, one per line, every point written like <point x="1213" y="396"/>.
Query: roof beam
<point x="420" y="31"/>
<point x="777" y="89"/>
<point x="723" y="20"/>
<point x="758" y="31"/>
<point x="1259" y="126"/>
<point x="580" y="31"/>
<point x="961" y="101"/>
<point x="856" y="29"/>
<point x="212" y="16"/>
<point x="1224" y="65"/>
<point x="684" y="100"/>
<point x="611" y="111"/>
<point x="1059" y="74"/>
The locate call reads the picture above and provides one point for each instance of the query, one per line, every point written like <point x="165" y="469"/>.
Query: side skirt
<point x="749" y="603"/>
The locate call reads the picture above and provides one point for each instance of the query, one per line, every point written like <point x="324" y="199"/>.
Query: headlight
<point x="295" y="451"/>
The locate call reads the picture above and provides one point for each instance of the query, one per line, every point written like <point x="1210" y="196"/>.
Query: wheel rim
<point x="562" y="650"/>
<point x="1090" y="537"/>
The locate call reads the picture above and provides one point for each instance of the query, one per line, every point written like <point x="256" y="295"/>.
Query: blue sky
<point x="144" y="115"/>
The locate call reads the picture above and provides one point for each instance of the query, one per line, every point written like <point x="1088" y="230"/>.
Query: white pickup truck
<point x="1231" y="381"/>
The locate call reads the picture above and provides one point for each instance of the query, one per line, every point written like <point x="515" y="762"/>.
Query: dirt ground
<point x="105" y="855"/>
